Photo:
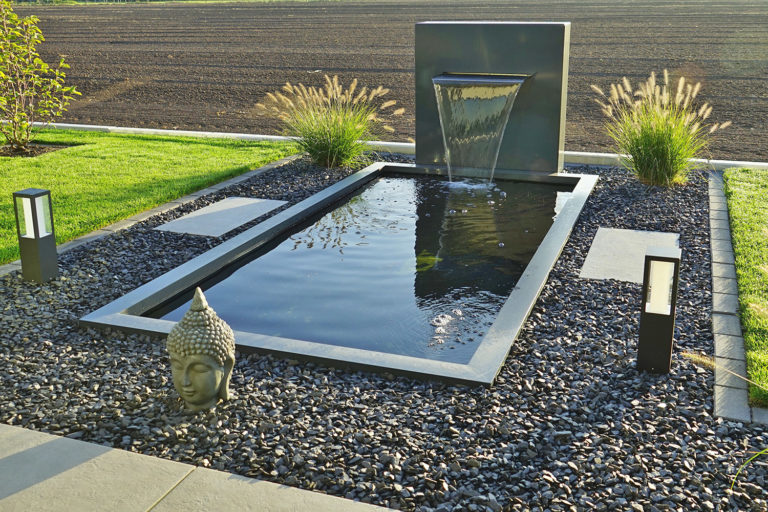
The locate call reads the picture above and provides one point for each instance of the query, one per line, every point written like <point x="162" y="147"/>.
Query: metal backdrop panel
<point x="533" y="140"/>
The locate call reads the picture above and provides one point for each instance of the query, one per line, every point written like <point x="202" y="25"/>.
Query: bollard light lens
<point x="660" y="288"/>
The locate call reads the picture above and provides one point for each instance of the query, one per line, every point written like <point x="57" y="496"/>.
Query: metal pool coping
<point x="124" y="313"/>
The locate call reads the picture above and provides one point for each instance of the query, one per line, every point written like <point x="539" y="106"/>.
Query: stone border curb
<point x="731" y="395"/>
<point x="170" y="205"/>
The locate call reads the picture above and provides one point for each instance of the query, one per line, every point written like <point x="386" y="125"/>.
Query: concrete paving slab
<point x="222" y="216"/>
<point x="620" y="253"/>
<point x="731" y="347"/>
<point x="207" y="489"/>
<point x="723" y="257"/>
<point x="718" y="205"/>
<point x="725" y="303"/>
<point x="731" y="403"/>
<point x="721" y="234"/>
<point x="760" y="415"/>
<point x="725" y="285"/>
<point x="43" y="472"/>
<point x="723" y="270"/>
<point x="720" y="224"/>
<point x="726" y="324"/>
<point x="121" y="224"/>
<point x="718" y="214"/>
<point x="722" y="245"/>
<point x="723" y="375"/>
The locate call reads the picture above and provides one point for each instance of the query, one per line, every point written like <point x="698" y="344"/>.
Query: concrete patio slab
<point x="208" y="489"/>
<point x="43" y="472"/>
<point x="222" y="216"/>
<point x="620" y="253"/>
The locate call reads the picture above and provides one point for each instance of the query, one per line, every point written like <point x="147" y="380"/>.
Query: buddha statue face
<point x="201" y="380"/>
<point x="202" y="351"/>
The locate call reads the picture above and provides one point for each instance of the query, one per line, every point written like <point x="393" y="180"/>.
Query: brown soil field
<point x="203" y="66"/>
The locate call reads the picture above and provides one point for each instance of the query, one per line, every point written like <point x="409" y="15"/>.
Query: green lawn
<point x="747" y="193"/>
<point x="102" y="178"/>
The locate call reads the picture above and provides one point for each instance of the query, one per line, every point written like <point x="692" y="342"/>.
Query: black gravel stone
<point x="569" y="425"/>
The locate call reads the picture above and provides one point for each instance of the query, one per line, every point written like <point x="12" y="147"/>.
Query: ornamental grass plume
<point x="657" y="131"/>
<point x="331" y="123"/>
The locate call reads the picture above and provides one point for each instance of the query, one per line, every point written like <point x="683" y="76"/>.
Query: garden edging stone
<point x="731" y="395"/>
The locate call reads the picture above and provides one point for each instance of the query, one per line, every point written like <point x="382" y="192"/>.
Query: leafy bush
<point x="30" y="90"/>
<point x="656" y="132"/>
<point x="331" y="122"/>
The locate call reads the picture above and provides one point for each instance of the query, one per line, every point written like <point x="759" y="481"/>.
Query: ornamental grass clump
<point x="657" y="131"/>
<point x="331" y="123"/>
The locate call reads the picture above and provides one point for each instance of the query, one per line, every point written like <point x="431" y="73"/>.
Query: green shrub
<point x="30" y="90"/>
<point x="655" y="132"/>
<point x="331" y="122"/>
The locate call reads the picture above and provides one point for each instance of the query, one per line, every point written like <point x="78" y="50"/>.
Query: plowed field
<point x="203" y="66"/>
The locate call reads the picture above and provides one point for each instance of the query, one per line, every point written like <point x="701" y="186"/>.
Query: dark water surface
<point x="408" y="265"/>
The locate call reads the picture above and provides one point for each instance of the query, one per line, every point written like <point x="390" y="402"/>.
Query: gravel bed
<point x="569" y="425"/>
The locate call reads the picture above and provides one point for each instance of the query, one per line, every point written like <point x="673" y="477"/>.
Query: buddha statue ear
<point x="229" y="364"/>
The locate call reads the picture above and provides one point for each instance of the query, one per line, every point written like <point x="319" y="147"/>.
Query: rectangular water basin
<point x="389" y="268"/>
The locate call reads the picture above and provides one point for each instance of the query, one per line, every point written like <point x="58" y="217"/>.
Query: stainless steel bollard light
<point x="34" y="228"/>
<point x="657" y="317"/>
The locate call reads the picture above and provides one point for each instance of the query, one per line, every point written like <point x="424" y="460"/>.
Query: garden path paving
<point x="620" y="253"/>
<point x="222" y="216"/>
<point x="44" y="472"/>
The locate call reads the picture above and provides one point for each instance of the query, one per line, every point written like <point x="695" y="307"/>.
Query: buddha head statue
<point x="202" y="351"/>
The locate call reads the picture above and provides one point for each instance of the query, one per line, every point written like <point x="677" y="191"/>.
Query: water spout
<point x="473" y="111"/>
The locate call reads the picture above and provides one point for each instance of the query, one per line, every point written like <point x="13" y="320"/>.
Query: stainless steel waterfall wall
<point x="533" y="140"/>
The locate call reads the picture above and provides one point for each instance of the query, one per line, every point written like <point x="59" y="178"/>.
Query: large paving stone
<point x="41" y="472"/>
<point x="206" y="489"/>
<point x="222" y="216"/>
<point x="620" y="253"/>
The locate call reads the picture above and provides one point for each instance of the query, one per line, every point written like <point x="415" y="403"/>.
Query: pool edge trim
<point x="485" y="364"/>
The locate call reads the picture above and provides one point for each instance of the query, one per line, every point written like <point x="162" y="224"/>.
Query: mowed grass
<point x="746" y="191"/>
<point x="102" y="178"/>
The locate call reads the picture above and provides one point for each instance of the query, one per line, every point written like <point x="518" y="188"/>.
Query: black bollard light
<point x="657" y="316"/>
<point x="34" y="228"/>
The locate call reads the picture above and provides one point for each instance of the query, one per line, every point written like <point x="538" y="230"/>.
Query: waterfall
<point x="473" y="111"/>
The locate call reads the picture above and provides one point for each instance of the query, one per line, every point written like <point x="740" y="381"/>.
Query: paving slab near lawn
<point x="99" y="178"/>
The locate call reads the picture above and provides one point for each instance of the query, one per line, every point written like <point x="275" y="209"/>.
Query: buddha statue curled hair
<point x="202" y="351"/>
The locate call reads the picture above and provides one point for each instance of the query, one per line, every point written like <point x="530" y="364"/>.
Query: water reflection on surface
<point x="410" y="265"/>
